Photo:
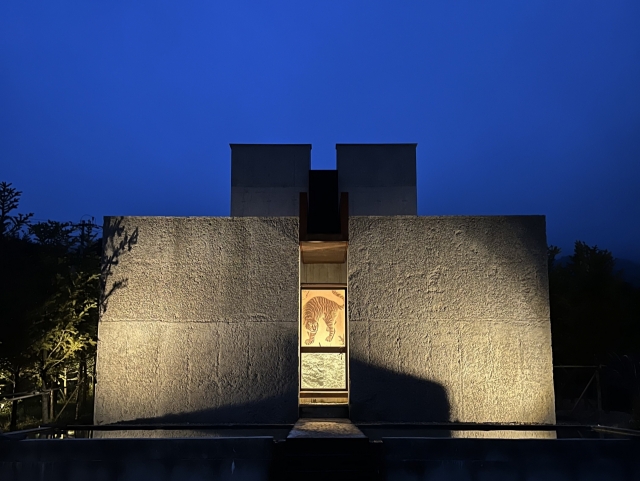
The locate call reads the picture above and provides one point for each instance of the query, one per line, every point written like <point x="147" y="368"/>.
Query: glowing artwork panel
<point x="322" y="318"/>
<point x="321" y="370"/>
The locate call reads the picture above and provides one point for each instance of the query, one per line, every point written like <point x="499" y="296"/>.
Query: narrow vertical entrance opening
<point x="324" y="334"/>
<point x="324" y="315"/>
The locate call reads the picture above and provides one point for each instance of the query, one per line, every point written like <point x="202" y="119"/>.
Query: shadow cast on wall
<point x="381" y="395"/>
<point x="260" y="387"/>
<point x="116" y="240"/>
<point x="378" y="395"/>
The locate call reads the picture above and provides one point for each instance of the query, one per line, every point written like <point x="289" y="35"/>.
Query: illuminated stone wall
<point x="204" y="324"/>
<point x="449" y="319"/>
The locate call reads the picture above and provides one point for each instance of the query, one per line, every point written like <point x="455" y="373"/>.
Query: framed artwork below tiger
<point x="324" y="367"/>
<point x="322" y="318"/>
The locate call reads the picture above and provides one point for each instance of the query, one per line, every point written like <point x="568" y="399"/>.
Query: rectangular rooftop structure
<point x="266" y="179"/>
<point x="380" y="178"/>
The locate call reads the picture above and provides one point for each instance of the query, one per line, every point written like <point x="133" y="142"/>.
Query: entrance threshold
<point x="325" y="428"/>
<point x="325" y="410"/>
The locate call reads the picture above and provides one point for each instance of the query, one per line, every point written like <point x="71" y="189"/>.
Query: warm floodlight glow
<point x="323" y="316"/>
<point x="323" y="356"/>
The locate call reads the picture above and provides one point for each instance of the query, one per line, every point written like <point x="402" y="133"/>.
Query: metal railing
<point x="53" y="430"/>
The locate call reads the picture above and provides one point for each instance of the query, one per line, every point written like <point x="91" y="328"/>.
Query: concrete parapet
<point x="531" y="459"/>
<point x="258" y="459"/>
<point x="137" y="459"/>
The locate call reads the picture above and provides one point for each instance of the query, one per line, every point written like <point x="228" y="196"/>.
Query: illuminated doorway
<point x="324" y="366"/>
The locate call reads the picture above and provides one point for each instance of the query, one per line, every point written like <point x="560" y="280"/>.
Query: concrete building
<point x="305" y="297"/>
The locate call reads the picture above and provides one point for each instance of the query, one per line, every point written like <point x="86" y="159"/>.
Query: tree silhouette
<point x="11" y="225"/>
<point x="49" y="291"/>
<point x="594" y="313"/>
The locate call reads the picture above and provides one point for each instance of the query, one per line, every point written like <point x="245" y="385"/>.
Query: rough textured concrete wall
<point x="266" y="180"/>
<point x="200" y="320"/>
<point x="380" y="178"/>
<point x="449" y="319"/>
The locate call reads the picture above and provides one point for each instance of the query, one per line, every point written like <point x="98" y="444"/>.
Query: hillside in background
<point x="628" y="270"/>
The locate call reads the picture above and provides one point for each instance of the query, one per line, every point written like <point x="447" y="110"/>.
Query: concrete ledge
<point x="137" y="459"/>
<point x="255" y="458"/>
<point x="530" y="459"/>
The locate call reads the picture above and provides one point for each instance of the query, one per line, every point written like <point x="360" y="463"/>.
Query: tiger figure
<point x="320" y="307"/>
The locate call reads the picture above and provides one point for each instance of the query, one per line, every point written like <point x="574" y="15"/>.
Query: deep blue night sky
<point x="127" y="108"/>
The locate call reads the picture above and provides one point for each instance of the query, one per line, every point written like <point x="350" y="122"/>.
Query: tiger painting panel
<point x="322" y="318"/>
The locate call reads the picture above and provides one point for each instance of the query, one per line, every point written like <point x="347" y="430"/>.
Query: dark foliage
<point x="49" y="290"/>
<point x="594" y="312"/>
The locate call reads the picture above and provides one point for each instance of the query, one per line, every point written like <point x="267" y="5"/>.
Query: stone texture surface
<point x="324" y="428"/>
<point x="508" y="459"/>
<point x="200" y="321"/>
<point x="449" y="319"/>
<point x="323" y="370"/>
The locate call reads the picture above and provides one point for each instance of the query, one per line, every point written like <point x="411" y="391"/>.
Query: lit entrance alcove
<point x="324" y="334"/>
<point x="323" y="346"/>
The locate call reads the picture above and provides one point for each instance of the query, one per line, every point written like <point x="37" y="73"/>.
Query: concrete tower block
<point x="266" y="179"/>
<point x="380" y="178"/>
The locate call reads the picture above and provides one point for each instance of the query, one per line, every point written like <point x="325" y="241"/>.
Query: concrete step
<point x="327" y="459"/>
<point x="324" y="411"/>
